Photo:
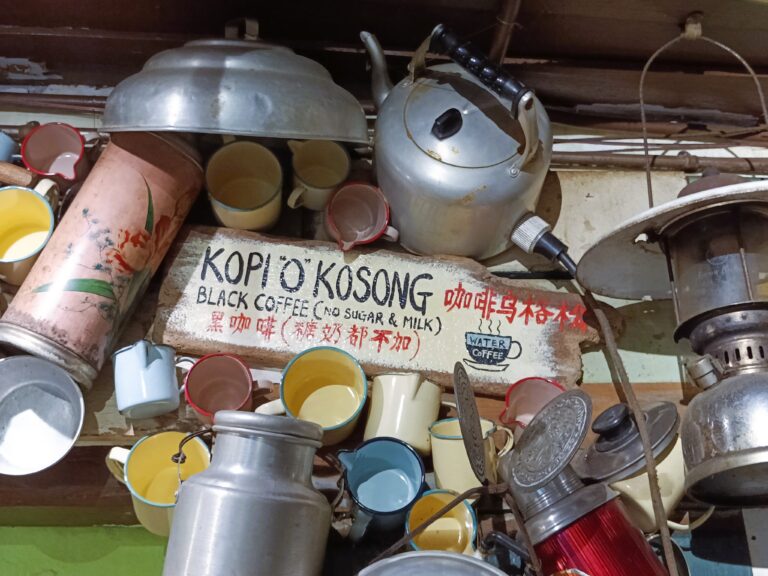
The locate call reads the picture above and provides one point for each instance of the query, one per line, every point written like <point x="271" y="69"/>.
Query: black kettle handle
<point x="472" y="59"/>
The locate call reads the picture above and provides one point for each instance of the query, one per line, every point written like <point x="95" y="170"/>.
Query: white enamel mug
<point x="403" y="406"/>
<point x="319" y="168"/>
<point x="449" y="456"/>
<point x="146" y="384"/>
<point x="153" y="478"/>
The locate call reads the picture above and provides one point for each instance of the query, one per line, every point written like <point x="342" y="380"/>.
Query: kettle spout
<point x="380" y="82"/>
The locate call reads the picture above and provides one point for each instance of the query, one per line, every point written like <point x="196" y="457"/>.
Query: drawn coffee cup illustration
<point x="489" y="351"/>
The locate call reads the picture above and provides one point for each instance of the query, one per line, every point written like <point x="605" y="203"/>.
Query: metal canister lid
<point x="550" y="441"/>
<point x="618" y="452"/>
<point x="236" y="421"/>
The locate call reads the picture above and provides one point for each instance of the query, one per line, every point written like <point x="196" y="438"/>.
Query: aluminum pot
<point x="236" y="86"/>
<point x="431" y="564"/>
<point x="85" y="283"/>
<point x="460" y="165"/>
<point x="254" y="510"/>
<point x="41" y="414"/>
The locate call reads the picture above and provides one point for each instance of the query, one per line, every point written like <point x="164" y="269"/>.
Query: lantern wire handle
<point x="691" y="31"/>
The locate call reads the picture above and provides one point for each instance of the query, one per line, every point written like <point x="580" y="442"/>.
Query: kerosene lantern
<point x="708" y="251"/>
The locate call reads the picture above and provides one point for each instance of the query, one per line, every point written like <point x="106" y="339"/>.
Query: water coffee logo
<point x="488" y="351"/>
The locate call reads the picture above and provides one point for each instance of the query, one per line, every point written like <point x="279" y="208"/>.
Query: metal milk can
<point x="254" y="510"/>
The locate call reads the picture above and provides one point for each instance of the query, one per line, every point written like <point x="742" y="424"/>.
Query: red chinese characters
<point x="529" y="310"/>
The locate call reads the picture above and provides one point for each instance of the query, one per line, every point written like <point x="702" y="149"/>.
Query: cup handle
<point x="273" y="408"/>
<point x="691" y="526"/>
<point x="511" y="356"/>
<point x="360" y="525"/>
<point x="295" y="199"/>
<point x="115" y="462"/>
<point x="295" y="145"/>
<point x="184" y="363"/>
<point x="49" y="190"/>
<point x="391" y="234"/>
<point x="510" y="443"/>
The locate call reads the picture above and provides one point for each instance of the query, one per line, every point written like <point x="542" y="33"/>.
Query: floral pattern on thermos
<point x="108" y="245"/>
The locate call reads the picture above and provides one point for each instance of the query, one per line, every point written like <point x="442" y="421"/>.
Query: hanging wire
<point x="691" y="31"/>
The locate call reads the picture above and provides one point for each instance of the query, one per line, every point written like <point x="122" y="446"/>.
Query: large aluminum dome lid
<point x="239" y="87"/>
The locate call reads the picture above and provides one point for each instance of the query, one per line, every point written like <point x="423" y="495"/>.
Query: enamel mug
<point x="358" y="213"/>
<point x="145" y="380"/>
<point x="319" y="167"/>
<point x="449" y="456"/>
<point x="403" y="406"/>
<point x="153" y="478"/>
<point x="26" y="225"/>
<point x="55" y="150"/>
<point x="245" y="181"/>
<point x="524" y="399"/>
<point x="385" y="477"/>
<point x="636" y="493"/>
<point x="218" y="382"/>
<point x="324" y="385"/>
<point x="454" y="531"/>
<point x="8" y="147"/>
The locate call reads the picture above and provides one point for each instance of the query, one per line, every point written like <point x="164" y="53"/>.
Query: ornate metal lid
<point x="618" y="452"/>
<point x="551" y="440"/>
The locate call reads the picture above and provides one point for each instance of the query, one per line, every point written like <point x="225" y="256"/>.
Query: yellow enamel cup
<point x="319" y="168"/>
<point x="152" y="477"/>
<point x="323" y="385"/>
<point x="449" y="456"/>
<point x="26" y="225"/>
<point x="245" y="182"/>
<point x="455" y="531"/>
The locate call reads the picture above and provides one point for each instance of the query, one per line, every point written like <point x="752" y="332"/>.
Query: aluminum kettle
<point x="460" y="150"/>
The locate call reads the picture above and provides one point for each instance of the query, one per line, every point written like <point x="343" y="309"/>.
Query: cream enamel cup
<point x="449" y="457"/>
<point x="635" y="491"/>
<point x="319" y="167"/>
<point x="244" y="182"/>
<point x="403" y="406"/>
<point x="152" y="477"/>
<point x="26" y="225"/>
<point x="324" y="385"/>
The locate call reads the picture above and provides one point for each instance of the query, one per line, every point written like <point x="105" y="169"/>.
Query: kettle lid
<point x="618" y="451"/>
<point x="453" y="118"/>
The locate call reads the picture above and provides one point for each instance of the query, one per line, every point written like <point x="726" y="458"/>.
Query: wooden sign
<point x="267" y="299"/>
